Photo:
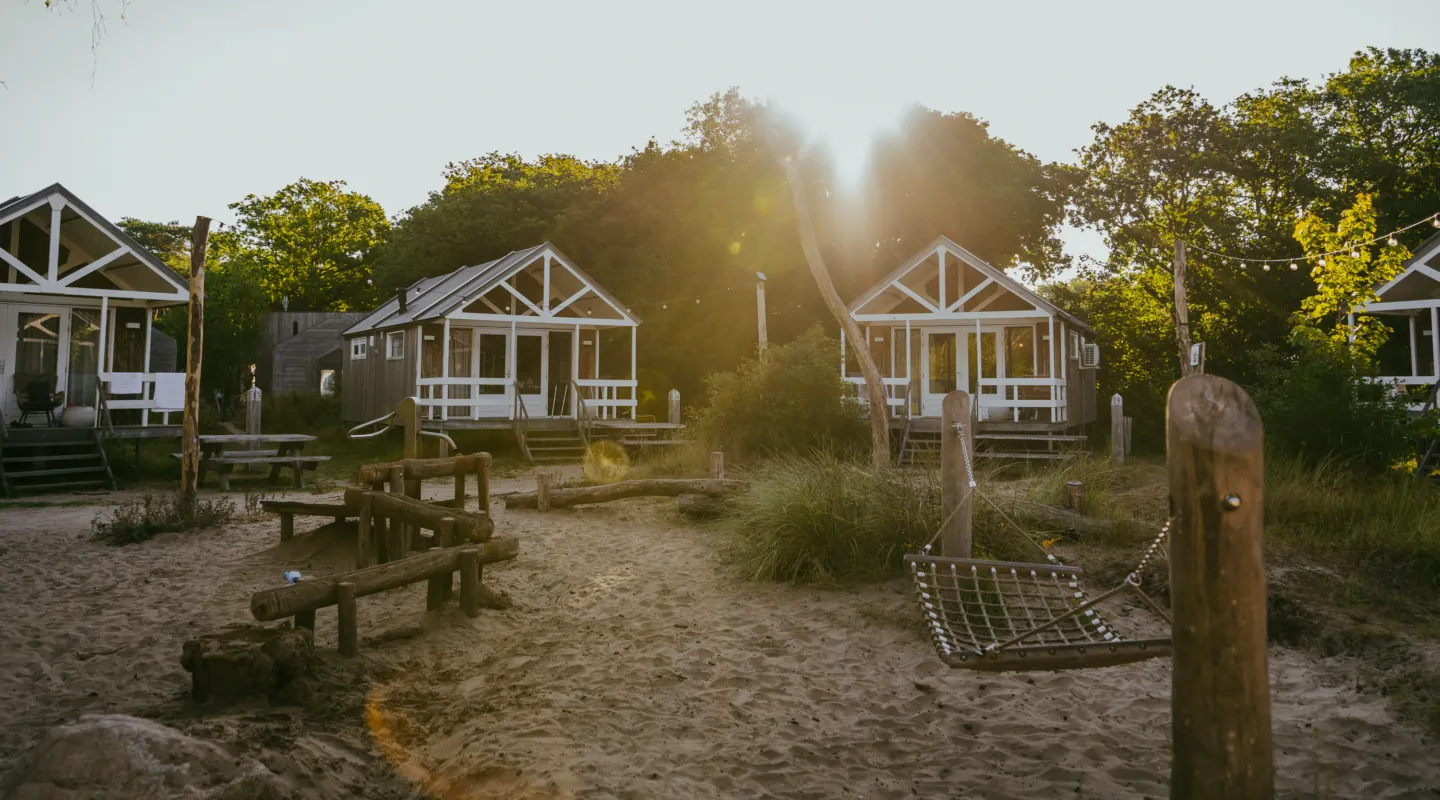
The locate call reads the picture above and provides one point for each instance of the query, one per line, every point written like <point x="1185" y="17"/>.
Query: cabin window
<point x="1020" y="352"/>
<point x="357" y="349"/>
<point x="84" y="355"/>
<point x="395" y="345"/>
<point x="1074" y="346"/>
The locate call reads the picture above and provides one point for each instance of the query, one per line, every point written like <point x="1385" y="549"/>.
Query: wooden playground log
<point x="717" y="465"/>
<point x="470" y="527"/>
<point x="620" y="490"/>
<point x="439" y="589"/>
<point x="542" y="491"/>
<point x="1221" y="694"/>
<point x="482" y="479"/>
<point x="349" y="624"/>
<point x="365" y="536"/>
<point x="470" y="582"/>
<point x="957" y="498"/>
<point x="424" y="468"/>
<point x="287" y="601"/>
<point x="399" y="527"/>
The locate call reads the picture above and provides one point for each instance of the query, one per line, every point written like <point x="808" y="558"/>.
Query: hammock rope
<point x="1000" y="615"/>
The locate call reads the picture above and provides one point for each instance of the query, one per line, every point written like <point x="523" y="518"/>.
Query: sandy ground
<point x="634" y="665"/>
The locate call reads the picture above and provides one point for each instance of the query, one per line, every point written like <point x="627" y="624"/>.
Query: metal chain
<point x="965" y="452"/>
<point x="1153" y="548"/>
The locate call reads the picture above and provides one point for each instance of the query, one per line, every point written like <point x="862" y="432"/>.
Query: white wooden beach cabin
<point x="946" y="320"/>
<point x="1414" y="296"/>
<point x="527" y="341"/>
<point x="77" y="303"/>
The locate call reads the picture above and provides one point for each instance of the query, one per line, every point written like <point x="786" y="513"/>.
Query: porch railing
<point x="896" y="393"/>
<point x="144" y="403"/>
<point x="607" y="399"/>
<point x="603" y="399"/>
<point x="1406" y="384"/>
<point x="996" y="395"/>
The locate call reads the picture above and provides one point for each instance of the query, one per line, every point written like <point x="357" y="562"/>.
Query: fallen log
<point x="605" y="493"/>
<point x="700" y="506"/>
<point x="1063" y="519"/>
<point x="420" y="514"/>
<point x="287" y="601"/>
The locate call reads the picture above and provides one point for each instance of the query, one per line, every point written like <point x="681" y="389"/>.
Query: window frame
<point x="390" y="338"/>
<point x="358" y="349"/>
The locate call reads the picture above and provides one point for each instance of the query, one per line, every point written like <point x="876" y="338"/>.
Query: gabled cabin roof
<point x="126" y="253"/>
<point x="981" y="266"/>
<point x="430" y="299"/>
<point x="1420" y="277"/>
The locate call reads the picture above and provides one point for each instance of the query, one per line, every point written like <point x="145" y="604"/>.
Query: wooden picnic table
<point x="286" y="454"/>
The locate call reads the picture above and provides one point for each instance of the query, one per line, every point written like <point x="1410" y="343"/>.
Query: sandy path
<point x="634" y="666"/>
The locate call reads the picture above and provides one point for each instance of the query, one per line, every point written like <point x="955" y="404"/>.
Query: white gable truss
<point x="946" y="282"/>
<point x="539" y="285"/>
<point x="55" y="244"/>
<point x="1416" y="288"/>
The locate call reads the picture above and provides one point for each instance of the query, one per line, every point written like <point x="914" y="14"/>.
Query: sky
<point x="186" y="106"/>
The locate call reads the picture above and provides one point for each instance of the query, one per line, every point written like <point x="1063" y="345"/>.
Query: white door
<point x="531" y="367"/>
<point x="38" y="349"/>
<point x="939" y="370"/>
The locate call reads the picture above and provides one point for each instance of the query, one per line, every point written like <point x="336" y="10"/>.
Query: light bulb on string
<point x="1293" y="266"/>
<point x="1267" y="267"/>
<point x="1355" y="252"/>
<point x="697" y="301"/>
<point x="1320" y="262"/>
<point x="1392" y="241"/>
<point x="664" y="305"/>
<point x="1435" y="220"/>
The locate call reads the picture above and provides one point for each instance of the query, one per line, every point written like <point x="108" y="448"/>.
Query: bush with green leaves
<point x="1316" y="403"/>
<point x="143" y="517"/>
<point x="791" y="400"/>
<point x="299" y="412"/>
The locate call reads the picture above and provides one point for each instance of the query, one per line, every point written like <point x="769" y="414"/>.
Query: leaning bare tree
<point x="874" y="385"/>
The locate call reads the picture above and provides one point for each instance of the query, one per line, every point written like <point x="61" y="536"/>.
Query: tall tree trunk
<point x="874" y="385"/>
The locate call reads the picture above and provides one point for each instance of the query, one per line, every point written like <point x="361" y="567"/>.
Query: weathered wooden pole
<point x="470" y="582"/>
<point x="195" y="342"/>
<point x="398" y="530"/>
<point x="717" y="465"/>
<point x="674" y="409"/>
<point x="1220" y="698"/>
<point x="365" y="537"/>
<point x="1182" y="311"/>
<point x="542" y="492"/>
<point x="482" y="480"/>
<point x="1117" y="429"/>
<point x="346" y="614"/>
<point x="760" y="311"/>
<point x="957" y="446"/>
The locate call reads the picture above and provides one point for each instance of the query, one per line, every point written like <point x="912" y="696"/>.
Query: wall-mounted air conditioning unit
<point x="1090" y="356"/>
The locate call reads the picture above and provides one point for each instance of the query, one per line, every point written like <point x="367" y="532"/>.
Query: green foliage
<point x="1344" y="281"/>
<point x="1388" y="527"/>
<point x="300" y="412"/>
<point x="141" y="518"/>
<point x="1315" y="404"/>
<point x="792" y="399"/>
<point x="312" y="242"/>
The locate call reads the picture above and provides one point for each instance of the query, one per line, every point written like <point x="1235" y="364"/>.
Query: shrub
<point x="299" y="412"/>
<point x="792" y="400"/>
<point x="141" y="518"/>
<point x="1315" y="404"/>
<point x="820" y="518"/>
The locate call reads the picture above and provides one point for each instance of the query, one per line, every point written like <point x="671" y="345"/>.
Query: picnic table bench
<point x="214" y="456"/>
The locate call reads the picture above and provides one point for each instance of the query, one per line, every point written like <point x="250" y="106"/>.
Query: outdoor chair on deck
<point x="35" y="394"/>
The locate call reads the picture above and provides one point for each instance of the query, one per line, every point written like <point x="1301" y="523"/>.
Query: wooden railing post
<point x="956" y="498"/>
<point x="542" y="492"/>
<point x="1220" y="698"/>
<point x="1117" y="429"/>
<point x="717" y="465"/>
<point x="482" y="476"/>
<point x="398" y="530"/>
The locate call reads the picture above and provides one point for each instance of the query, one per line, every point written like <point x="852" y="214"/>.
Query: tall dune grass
<point x="818" y="518"/>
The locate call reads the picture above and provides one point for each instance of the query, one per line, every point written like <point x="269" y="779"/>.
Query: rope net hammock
<point x="1009" y="616"/>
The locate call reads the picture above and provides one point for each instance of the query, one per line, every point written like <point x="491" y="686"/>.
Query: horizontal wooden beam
<point x="953" y="316"/>
<point x="605" y="493"/>
<point x="420" y="514"/>
<point x="422" y="468"/>
<point x="308" y="595"/>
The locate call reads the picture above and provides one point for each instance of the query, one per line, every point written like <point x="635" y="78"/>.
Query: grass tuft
<point x="141" y="518"/>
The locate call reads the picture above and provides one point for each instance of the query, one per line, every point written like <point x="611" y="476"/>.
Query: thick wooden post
<point x="190" y="428"/>
<point x="439" y="587"/>
<point x="1075" y="495"/>
<point x="957" y="446"/>
<point x="717" y="465"/>
<point x="1221" y="695"/>
<point x="398" y="530"/>
<point x="470" y="582"/>
<point x="365" y="538"/>
<point x="349" y="625"/>
<point x="542" y="492"/>
<point x="482" y="476"/>
<point x="254" y="399"/>
<point x="760" y="310"/>
<point x="1117" y="429"/>
<point x="287" y="526"/>
<point x="674" y="408"/>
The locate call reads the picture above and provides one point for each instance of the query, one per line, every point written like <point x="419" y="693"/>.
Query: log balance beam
<point x="302" y="599"/>
<point x="605" y="493"/>
<point x="407" y="517"/>
<point x="418" y="469"/>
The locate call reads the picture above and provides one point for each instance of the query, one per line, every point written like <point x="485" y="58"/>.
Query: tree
<point x="1346" y="278"/>
<point x="312" y="242"/>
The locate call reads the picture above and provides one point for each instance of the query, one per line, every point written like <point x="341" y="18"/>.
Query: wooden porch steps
<point x="542" y="445"/>
<point x="49" y="459"/>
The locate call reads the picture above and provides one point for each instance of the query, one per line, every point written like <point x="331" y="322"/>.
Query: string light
<point x="1293" y="266"/>
<point x="1267" y="267"/>
<point x="1353" y="249"/>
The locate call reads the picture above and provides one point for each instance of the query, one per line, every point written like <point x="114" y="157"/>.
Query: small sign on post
<point x="1197" y="358"/>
